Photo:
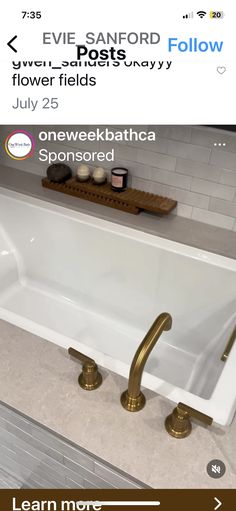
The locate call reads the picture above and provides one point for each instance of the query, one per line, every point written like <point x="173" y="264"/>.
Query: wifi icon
<point x="201" y="14"/>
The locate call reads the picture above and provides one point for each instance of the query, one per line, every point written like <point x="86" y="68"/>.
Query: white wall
<point x="182" y="164"/>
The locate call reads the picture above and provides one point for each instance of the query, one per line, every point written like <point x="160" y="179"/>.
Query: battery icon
<point x="216" y="14"/>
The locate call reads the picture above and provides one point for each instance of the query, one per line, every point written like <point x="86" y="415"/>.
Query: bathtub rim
<point x="224" y="414"/>
<point x="126" y="231"/>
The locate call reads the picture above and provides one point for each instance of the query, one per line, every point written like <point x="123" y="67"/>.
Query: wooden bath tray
<point x="131" y="200"/>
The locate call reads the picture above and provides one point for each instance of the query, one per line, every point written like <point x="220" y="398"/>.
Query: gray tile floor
<point x="33" y="457"/>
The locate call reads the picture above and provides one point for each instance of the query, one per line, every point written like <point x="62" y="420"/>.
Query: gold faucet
<point x="229" y="346"/>
<point x="178" y="423"/>
<point x="133" y="399"/>
<point x="90" y="378"/>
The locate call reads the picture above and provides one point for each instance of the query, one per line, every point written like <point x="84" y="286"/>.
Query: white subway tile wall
<point x="33" y="457"/>
<point x="184" y="163"/>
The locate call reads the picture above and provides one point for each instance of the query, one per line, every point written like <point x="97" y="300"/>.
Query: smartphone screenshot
<point x="117" y="256"/>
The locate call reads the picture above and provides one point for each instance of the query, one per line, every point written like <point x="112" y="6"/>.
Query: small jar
<point x="99" y="176"/>
<point x="83" y="173"/>
<point x="59" y="172"/>
<point x="119" y="179"/>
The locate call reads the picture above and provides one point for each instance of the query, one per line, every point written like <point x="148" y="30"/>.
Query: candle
<point x="119" y="178"/>
<point x="83" y="173"/>
<point x="99" y="175"/>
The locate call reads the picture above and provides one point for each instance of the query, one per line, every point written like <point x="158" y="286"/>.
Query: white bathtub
<point x="80" y="281"/>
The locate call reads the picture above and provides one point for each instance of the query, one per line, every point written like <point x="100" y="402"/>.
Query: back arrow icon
<point x="219" y="503"/>
<point x="11" y="41"/>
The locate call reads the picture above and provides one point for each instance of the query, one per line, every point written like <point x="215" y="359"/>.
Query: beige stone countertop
<point x="39" y="379"/>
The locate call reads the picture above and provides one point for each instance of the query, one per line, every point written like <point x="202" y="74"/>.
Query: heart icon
<point x="221" y="70"/>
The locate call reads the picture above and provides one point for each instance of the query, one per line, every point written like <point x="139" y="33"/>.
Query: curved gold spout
<point x="133" y="399"/>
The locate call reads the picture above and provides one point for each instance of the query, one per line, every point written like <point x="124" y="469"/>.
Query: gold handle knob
<point x="178" y="423"/>
<point x="80" y="356"/>
<point x="90" y="378"/>
<point x="195" y="413"/>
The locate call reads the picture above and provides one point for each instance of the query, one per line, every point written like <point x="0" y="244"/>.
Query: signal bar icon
<point x="189" y="15"/>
